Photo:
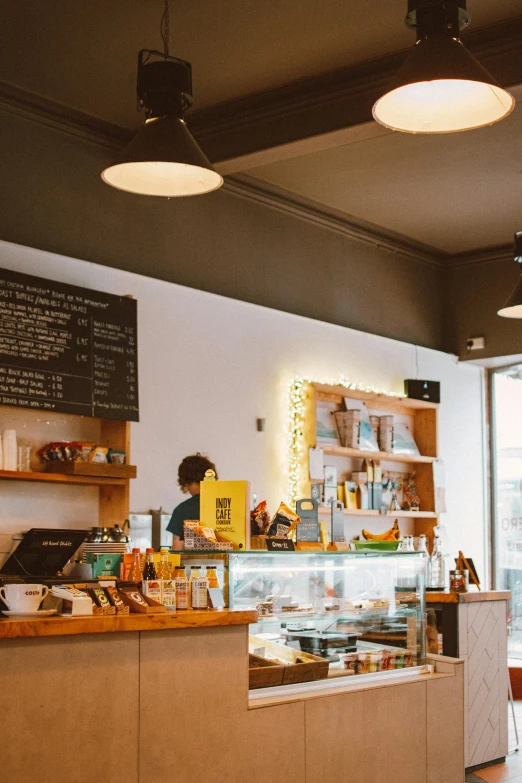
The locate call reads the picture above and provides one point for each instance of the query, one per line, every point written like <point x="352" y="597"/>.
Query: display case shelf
<point x="349" y="614"/>
<point x="380" y="639"/>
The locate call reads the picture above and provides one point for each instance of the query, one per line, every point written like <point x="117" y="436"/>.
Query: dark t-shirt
<point x="189" y="509"/>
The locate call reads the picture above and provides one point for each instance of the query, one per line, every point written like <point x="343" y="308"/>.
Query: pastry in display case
<point x="358" y="613"/>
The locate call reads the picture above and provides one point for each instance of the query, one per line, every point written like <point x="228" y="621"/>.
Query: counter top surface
<point x="445" y="597"/>
<point x="11" y="628"/>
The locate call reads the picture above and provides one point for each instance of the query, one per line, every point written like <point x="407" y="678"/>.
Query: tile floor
<point x="511" y="770"/>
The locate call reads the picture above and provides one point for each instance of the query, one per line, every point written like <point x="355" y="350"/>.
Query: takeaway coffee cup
<point x="23" y="598"/>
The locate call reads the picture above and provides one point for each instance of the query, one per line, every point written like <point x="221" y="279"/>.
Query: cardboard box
<point x="108" y="564"/>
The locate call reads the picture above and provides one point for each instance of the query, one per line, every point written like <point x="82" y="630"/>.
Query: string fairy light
<point x="297" y="396"/>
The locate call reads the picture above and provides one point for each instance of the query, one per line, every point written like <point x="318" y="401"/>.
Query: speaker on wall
<point x="422" y="390"/>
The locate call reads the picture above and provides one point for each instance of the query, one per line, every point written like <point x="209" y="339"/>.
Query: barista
<point x="190" y="473"/>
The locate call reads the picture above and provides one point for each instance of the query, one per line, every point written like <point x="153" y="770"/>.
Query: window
<point x="506" y="442"/>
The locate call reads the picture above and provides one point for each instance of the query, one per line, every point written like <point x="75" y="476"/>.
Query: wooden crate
<point x="299" y="667"/>
<point x="100" y="469"/>
<point x="263" y="673"/>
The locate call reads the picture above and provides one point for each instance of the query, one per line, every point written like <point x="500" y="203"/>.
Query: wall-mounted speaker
<point x="422" y="390"/>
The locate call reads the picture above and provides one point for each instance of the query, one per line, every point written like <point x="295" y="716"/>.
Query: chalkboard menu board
<point x="67" y="349"/>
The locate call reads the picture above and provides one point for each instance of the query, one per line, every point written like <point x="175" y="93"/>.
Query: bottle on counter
<point x="408" y="544"/>
<point x="198" y="589"/>
<point x="213" y="581"/>
<point x="163" y="567"/>
<point x="135" y="572"/>
<point x="422" y="544"/>
<point x="212" y="576"/>
<point x="436" y="576"/>
<point x="181" y="586"/>
<point x="168" y="590"/>
<point x="150" y="585"/>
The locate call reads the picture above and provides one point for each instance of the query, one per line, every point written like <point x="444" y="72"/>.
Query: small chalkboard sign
<point x="308" y="529"/>
<point x="280" y="545"/>
<point x="466" y="564"/>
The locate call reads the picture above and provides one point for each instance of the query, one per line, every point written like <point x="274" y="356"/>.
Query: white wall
<point x="209" y="366"/>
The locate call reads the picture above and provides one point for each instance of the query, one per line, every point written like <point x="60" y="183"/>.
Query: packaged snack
<point x="375" y="660"/>
<point x="362" y="665"/>
<point x="114" y="597"/>
<point x="116" y="457"/>
<point x="206" y="532"/>
<point x="84" y="449"/>
<point x="134" y="594"/>
<point x="260" y="519"/>
<point x="283" y="521"/>
<point x="351" y="663"/>
<point x="99" y="596"/>
<point x="98" y="454"/>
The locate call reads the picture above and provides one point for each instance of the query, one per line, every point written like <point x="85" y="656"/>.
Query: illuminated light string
<point x="296" y="422"/>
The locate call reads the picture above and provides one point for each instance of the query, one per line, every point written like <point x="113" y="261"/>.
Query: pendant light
<point x="441" y="87"/>
<point x="513" y="307"/>
<point x="163" y="159"/>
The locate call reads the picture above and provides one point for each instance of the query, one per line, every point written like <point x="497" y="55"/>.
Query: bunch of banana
<point x="393" y="534"/>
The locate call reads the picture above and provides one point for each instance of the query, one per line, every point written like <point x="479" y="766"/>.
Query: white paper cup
<point x="23" y="598"/>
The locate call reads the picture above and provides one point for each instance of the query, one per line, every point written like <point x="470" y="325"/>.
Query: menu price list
<point x="67" y="349"/>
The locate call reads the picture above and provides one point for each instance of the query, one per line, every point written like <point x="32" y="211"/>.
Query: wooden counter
<point x="445" y="597"/>
<point x="168" y="621"/>
<point x="172" y="707"/>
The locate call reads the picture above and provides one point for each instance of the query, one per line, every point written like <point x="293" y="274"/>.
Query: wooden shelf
<point x="372" y="399"/>
<point x="422" y="418"/>
<point x="62" y="478"/>
<point x="91" y="469"/>
<point x="359" y="512"/>
<point x="384" y="456"/>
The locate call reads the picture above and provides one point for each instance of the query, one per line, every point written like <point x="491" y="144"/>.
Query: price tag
<point x="280" y="545"/>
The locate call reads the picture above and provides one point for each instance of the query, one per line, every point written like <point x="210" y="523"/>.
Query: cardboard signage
<point x="337" y="522"/>
<point x="308" y="528"/>
<point x="224" y="506"/>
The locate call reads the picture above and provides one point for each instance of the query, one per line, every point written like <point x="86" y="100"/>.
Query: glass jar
<point x="459" y="581"/>
<point x="24" y="456"/>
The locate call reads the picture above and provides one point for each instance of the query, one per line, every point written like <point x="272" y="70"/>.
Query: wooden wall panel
<point x="69" y="708"/>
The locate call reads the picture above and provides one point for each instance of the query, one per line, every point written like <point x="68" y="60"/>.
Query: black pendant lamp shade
<point x="513" y="306"/>
<point x="163" y="159"/>
<point x="441" y="87"/>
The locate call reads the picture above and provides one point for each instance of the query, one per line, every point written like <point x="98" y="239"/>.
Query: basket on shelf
<point x="259" y="542"/>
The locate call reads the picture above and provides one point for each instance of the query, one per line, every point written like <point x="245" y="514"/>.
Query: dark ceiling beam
<point x="333" y="101"/>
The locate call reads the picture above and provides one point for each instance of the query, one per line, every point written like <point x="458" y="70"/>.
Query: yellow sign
<point x="224" y="506"/>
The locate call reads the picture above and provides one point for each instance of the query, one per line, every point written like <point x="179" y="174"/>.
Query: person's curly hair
<point x="192" y="470"/>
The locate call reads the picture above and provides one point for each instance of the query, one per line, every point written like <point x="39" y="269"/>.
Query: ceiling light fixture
<point x="441" y="87"/>
<point x="163" y="159"/>
<point x="513" y="307"/>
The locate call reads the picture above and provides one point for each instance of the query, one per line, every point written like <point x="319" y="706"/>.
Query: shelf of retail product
<point x="360" y="512"/>
<point x="386" y="402"/>
<point x="348" y="614"/>
<point x="62" y="478"/>
<point x="380" y="456"/>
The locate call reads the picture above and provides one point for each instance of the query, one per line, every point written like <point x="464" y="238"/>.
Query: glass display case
<point x="363" y="613"/>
